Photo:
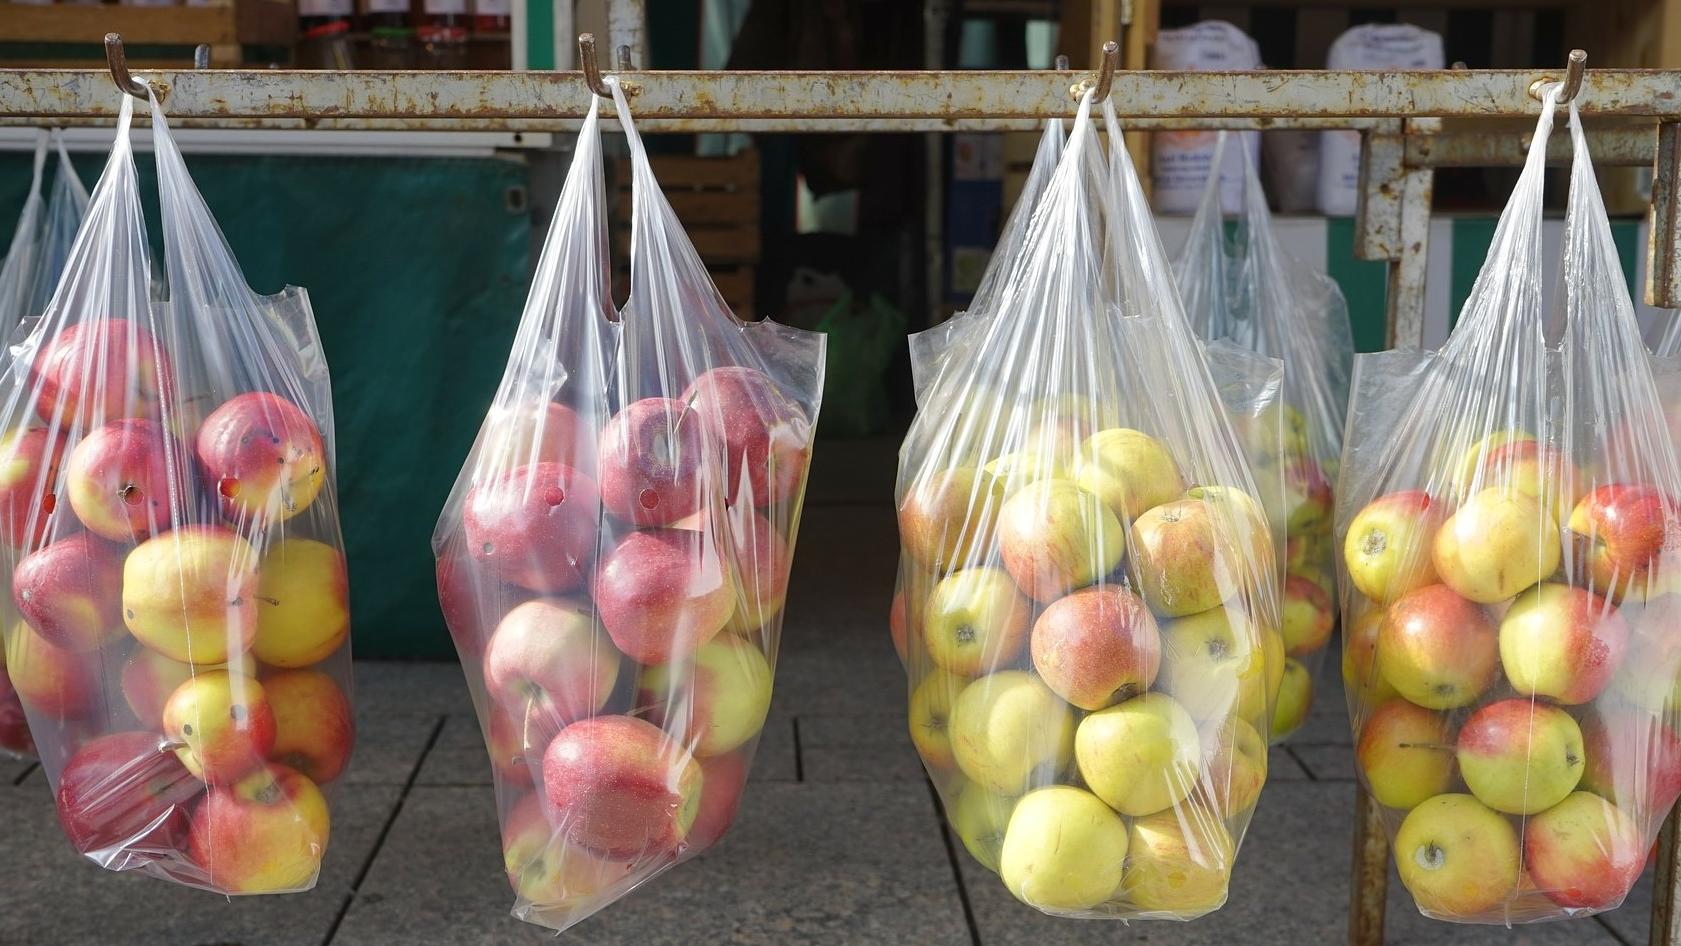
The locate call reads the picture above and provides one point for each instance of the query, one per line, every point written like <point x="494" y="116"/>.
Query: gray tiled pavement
<point x="839" y="840"/>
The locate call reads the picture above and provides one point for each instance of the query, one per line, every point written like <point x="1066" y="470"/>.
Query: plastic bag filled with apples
<point x="177" y="621"/>
<point x="1087" y="588"/>
<point x="1239" y="283"/>
<point x="1512" y="552"/>
<point x="614" y="558"/>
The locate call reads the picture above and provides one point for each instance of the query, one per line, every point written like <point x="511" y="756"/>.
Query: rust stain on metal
<point x="1370" y="880"/>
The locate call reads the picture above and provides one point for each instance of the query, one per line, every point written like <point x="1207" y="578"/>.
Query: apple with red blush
<point x="99" y="371"/>
<point x="30" y="458"/>
<point x="534" y="526"/>
<point x="767" y="439"/>
<point x="264" y="457"/>
<point x="125" y="791"/>
<point x="124" y="478"/>
<point x="70" y="592"/>
<point x="658" y="462"/>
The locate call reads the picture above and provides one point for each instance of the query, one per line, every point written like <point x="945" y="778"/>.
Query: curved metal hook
<point x="118" y="61"/>
<point x="1105" y="75"/>
<point x="592" y="68"/>
<point x="625" y="64"/>
<point x="201" y="56"/>
<point x="1576" y="68"/>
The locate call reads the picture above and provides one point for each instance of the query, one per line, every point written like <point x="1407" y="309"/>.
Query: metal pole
<point x="627" y="25"/>
<point x="1663" y="246"/>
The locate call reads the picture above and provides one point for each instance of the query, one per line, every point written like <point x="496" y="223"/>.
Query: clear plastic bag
<point x="1508" y="518"/>
<point x="1086" y="577"/>
<point x="41" y="241"/>
<point x="1239" y="283"/>
<point x="613" y="561"/>
<point x="173" y="544"/>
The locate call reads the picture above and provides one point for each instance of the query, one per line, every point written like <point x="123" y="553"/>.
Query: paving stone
<point x="11" y="770"/>
<point x="458" y="757"/>
<point x="1283" y="767"/>
<point x="841" y="681"/>
<point x="49" y="894"/>
<point x="798" y="867"/>
<point x="775" y="758"/>
<point x="387" y="748"/>
<point x="1633" y="920"/>
<point x="410" y="688"/>
<point x="1326" y="763"/>
<point x="873" y="748"/>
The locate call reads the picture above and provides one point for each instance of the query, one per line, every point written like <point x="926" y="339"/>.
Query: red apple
<point x="472" y="600"/>
<point x="125" y="792"/>
<point x="97" y="372"/>
<point x="264" y="456"/>
<point x="1618" y="534"/>
<point x="767" y="438"/>
<point x="1389" y="544"/>
<point x="1633" y="759"/>
<point x="723" y="778"/>
<point x="1307" y="496"/>
<point x="1561" y="643"/>
<point x="71" y="592"/>
<point x="123" y="479"/>
<point x="557" y="882"/>
<point x="516" y="739"/>
<point x="1438" y="649"/>
<point x="526" y="432"/>
<point x="55" y="682"/>
<point x="762" y="562"/>
<point x="549" y="655"/>
<point x="222" y="724"/>
<point x="1307" y="616"/>
<point x="29" y="463"/>
<point x="1584" y="852"/>
<point x="314" y="728"/>
<point x="619" y="787"/>
<point x="148" y="679"/>
<point x="14" y="723"/>
<point x="262" y="834"/>
<point x="535" y="526"/>
<point x="657" y="461"/>
<point x="947" y="519"/>
<point x="1097" y="647"/>
<point x="663" y="593"/>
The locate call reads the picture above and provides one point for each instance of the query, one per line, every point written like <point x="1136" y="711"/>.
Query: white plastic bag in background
<point x="1376" y="46"/>
<point x="42" y="239"/>
<point x="1180" y="161"/>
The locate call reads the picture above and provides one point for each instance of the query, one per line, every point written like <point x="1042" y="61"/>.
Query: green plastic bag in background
<point x="862" y="341"/>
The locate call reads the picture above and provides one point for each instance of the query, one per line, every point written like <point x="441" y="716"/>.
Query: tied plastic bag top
<point x="178" y="621"/>
<point x="1508" y="507"/>
<point x="1238" y="283"/>
<point x="613" y="561"/>
<point x="1086" y="580"/>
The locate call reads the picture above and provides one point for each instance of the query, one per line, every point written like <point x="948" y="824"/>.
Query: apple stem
<point x="1427" y="745"/>
<point x="272" y="601"/>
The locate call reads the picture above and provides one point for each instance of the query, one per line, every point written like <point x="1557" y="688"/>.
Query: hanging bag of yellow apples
<point x="1086" y="579"/>
<point x="1510" y="532"/>
<point x="1238" y="282"/>
<point x="178" y="617"/>
<point x="613" y="561"/>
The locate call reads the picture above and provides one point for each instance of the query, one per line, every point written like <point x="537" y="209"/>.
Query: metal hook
<point x="1105" y="75"/>
<point x="624" y="59"/>
<point x="1062" y="64"/>
<point x="1576" y="68"/>
<point x="201" y="56"/>
<point x="592" y="68"/>
<point x="118" y="61"/>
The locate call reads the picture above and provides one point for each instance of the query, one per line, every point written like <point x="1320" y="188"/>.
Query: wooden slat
<point x="707" y="208"/>
<point x="69" y="23"/>
<point x="740" y="172"/>
<point x="734" y="283"/>
<point x="716" y="245"/>
<point x="266" y="22"/>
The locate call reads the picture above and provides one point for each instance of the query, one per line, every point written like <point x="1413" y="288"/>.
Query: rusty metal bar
<point x="1377" y="218"/>
<point x="1370" y="881"/>
<point x="1663" y="241"/>
<point x="1632" y="146"/>
<point x="1666" y="923"/>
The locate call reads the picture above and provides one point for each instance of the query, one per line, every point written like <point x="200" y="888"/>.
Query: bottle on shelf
<point x="390" y="38"/>
<point x="493" y="16"/>
<point x="443" y="34"/>
<point x="324" y="34"/>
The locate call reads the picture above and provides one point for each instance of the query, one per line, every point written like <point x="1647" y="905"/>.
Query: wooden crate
<point x="226" y="27"/>
<point x="717" y="201"/>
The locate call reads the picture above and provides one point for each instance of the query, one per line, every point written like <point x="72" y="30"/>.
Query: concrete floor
<point x="839" y="840"/>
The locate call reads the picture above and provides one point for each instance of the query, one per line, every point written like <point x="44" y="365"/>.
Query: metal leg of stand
<point x="1666" y="923"/>
<point x="1663" y="261"/>
<point x="1369" y="884"/>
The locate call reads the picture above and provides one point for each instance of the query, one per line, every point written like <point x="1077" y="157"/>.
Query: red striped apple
<point x="125" y="792"/>
<point x="303" y="603"/>
<point x="1457" y="857"/>
<point x="550" y="657"/>
<point x="949" y="519"/>
<point x="975" y="622"/>
<point x="125" y="478"/>
<point x="1388" y="548"/>
<point x="1361" y="678"/>
<point x="1306" y="616"/>
<point x="1055" y="538"/>
<point x="767" y="439"/>
<point x="1141" y="756"/>
<point x="535" y="526"/>
<point x="1561" y="643"/>
<point x="263" y="455"/>
<point x="662" y="593"/>
<point x="99" y="371"/>
<point x="1406" y="754"/>
<point x="1129" y="470"/>
<point x="1234" y="767"/>
<point x="191" y="594"/>
<point x="71" y="592"/>
<point x="265" y="833"/>
<point x="658" y="462"/>
<point x="1437" y="649"/>
<point x="1619" y="535"/>
<point x="314" y="728"/>
<point x="621" y="788"/>
<point x="29" y="463"/>
<point x="1519" y="756"/>
<point x="1097" y="647"/>
<point x="1499" y="542"/>
<point x="714" y="704"/>
<point x="222" y="724"/>
<point x="1584" y="852"/>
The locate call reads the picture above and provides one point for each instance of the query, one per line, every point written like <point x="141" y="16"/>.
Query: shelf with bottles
<point x="72" y="34"/>
<point x="404" y="34"/>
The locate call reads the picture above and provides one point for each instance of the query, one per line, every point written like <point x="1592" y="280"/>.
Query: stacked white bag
<point x="1180" y="160"/>
<point x="1374" y="47"/>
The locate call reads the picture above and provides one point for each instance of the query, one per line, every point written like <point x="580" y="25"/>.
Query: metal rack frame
<point x="1397" y="113"/>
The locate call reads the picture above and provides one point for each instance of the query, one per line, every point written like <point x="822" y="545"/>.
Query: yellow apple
<point x="1178" y="863"/>
<point x="980" y="819"/>
<point x="975" y="621"/>
<point x="1235" y="760"/>
<point x="1141" y="756"/>
<point x="1009" y="732"/>
<point x="303" y="603"/>
<point x="190" y="594"/>
<point x="1295" y="699"/>
<point x="1024" y="467"/>
<point x="1129" y="470"/>
<point x="1498" y="543"/>
<point x="1457" y="857"/>
<point x="1214" y="663"/>
<point x="1063" y="851"/>
<point x="930" y="718"/>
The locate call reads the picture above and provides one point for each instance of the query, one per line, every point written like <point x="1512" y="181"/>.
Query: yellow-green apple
<point x="264" y="456"/>
<point x="1183" y="560"/>
<point x="98" y="371"/>
<point x="975" y="621"/>
<point x="534" y="526"/>
<point x="980" y="818"/>
<point x="660" y="460"/>
<point x="620" y="787"/>
<point x="1562" y="643"/>
<point x="948" y="519"/>
<point x="1360" y="674"/>
<point x="314" y="728"/>
<point x="1405" y="753"/>
<point x="473" y="600"/>
<point x="1472" y="473"/>
<point x="1140" y="756"/>
<point x="1307" y="496"/>
<point x="1619" y="535"/>
<point x="191" y="594"/>
<point x="1243" y="519"/>
<point x="661" y="593"/>
<point x="1178" y="863"/>
<point x="1294" y="700"/>
<point x="1215" y="664"/>
<point x="970" y="423"/>
<point x="14" y="722"/>
<point x="1306" y="616"/>
<point x="714" y="704"/>
<point x="125" y="792"/>
<point x="1458" y="857"/>
<point x="930" y="718"/>
<point x="221" y="724"/>
<point x="1539" y="469"/>
<point x="262" y="834"/>
<point x="71" y="592"/>
<point x="1499" y="542"/>
<point x="1009" y="732"/>
<point x="1633" y="760"/>
<point x="529" y="431"/>
<point x="1234" y="766"/>
<point x="723" y="777"/>
<point x="1438" y="649"/>
<point x="1097" y="647"/>
<point x="1013" y="471"/>
<point x="1388" y="547"/>
<point x="1129" y="470"/>
<point x="766" y="436"/>
<point x="1520" y="756"/>
<point x="303" y="603"/>
<point x="548" y="656"/>
<point x="556" y="880"/>
<point x="1055" y="538"/>
<point x="54" y="682"/>
<point x="148" y="679"/>
<point x="1064" y="850"/>
<point x="124" y="479"/>
<point x="29" y="463"/>
<point x="1584" y="853"/>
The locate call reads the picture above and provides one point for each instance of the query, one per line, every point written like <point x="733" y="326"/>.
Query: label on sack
<point x="1379" y="46"/>
<point x="1180" y="160"/>
<point x="324" y="7"/>
<point x="494" y="7"/>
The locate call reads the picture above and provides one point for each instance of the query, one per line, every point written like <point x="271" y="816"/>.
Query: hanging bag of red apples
<point x="1510" y="538"/>
<point x="614" y="558"/>
<point x="1086" y="578"/>
<point x="178" y="618"/>
<point x="1240" y="284"/>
